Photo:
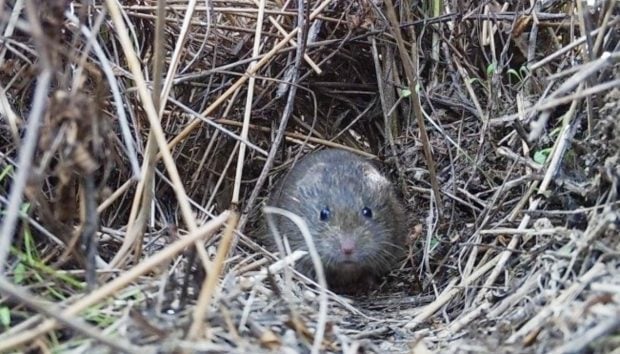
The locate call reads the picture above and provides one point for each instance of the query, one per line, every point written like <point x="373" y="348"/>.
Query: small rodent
<point x="357" y="222"/>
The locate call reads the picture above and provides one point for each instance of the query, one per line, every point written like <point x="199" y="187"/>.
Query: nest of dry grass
<point x="135" y="141"/>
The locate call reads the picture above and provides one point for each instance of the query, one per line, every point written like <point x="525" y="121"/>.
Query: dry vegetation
<point x="111" y="211"/>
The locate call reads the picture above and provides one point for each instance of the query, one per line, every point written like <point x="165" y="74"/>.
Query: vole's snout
<point x="347" y="246"/>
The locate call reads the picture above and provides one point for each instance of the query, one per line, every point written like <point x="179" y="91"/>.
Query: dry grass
<point x="135" y="141"/>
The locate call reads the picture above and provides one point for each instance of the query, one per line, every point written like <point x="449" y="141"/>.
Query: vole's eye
<point x="324" y="215"/>
<point x="367" y="212"/>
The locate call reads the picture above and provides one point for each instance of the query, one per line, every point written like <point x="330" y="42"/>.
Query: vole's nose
<point x="347" y="246"/>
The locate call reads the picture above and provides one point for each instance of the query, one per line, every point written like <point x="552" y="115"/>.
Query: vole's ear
<point x="375" y="178"/>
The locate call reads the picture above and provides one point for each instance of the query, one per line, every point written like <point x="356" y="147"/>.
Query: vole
<point x="357" y="221"/>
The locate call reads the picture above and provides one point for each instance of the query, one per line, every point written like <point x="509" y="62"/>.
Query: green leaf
<point x="513" y="72"/>
<point x="404" y="93"/>
<point x="5" y="316"/>
<point x="19" y="274"/>
<point x="7" y="171"/>
<point x="491" y="69"/>
<point x="474" y="80"/>
<point x="541" y="156"/>
<point x="25" y="207"/>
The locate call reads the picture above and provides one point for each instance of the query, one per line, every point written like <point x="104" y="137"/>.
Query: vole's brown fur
<point x="361" y="233"/>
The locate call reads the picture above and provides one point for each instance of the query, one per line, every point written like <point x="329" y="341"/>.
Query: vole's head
<point x="350" y="209"/>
